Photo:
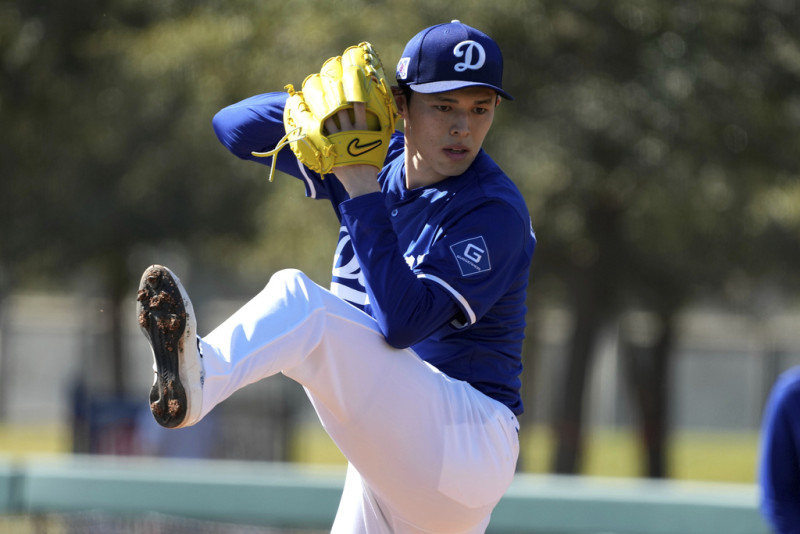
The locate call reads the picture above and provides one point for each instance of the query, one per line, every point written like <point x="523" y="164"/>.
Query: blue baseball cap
<point x="451" y="56"/>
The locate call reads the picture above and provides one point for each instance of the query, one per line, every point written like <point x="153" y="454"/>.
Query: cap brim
<point x="441" y="87"/>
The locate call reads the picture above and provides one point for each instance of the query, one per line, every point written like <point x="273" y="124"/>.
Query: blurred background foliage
<point x="656" y="144"/>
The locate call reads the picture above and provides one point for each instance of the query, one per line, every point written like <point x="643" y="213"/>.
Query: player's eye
<point x="480" y="111"/>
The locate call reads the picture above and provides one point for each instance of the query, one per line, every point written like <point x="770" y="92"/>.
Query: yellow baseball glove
<point x="355" y="76"/>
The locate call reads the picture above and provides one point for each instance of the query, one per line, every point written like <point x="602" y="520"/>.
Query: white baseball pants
<point x="426" y="453"/>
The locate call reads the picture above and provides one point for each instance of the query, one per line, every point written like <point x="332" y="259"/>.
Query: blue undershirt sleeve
<point x="408" y="309"/>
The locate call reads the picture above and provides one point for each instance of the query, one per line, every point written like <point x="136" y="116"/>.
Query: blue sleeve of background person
<point x="407" y="308"/>
<point x="779" y="463"/>
<point x="255" y="124"/>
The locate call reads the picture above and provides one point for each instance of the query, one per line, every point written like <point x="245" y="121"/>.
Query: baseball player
<point x="412" y="357"/>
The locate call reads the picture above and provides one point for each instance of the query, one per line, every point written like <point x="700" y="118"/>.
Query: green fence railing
<point x="306" y="497"/>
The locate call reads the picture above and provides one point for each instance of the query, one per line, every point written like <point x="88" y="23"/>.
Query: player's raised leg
<point x="433" y="454"/>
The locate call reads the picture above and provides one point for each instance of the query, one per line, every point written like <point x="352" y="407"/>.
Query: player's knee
<point x="290" y="278"/>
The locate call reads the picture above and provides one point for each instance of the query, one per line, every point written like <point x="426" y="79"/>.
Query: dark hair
<point x="407" y="91"/>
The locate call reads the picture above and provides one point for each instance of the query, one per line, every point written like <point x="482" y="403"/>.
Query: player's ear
<point x="401" y="100"/>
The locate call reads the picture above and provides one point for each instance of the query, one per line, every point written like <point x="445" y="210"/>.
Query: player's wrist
<point x="358" y="179"/>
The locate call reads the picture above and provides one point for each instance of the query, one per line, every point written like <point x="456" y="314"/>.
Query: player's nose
<point x="460" y="125"/>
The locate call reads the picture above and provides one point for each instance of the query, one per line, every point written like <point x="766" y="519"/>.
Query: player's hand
<point x="357" y="179"/>
<point x="358" y="121"/>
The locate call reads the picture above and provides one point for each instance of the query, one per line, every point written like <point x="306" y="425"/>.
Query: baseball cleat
<point x="167" y="319"/>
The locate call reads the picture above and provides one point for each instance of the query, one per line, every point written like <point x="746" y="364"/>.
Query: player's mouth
<point x="456" y="152"/>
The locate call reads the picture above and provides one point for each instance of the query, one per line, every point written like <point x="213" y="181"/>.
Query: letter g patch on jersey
<point x="472" y="256"/>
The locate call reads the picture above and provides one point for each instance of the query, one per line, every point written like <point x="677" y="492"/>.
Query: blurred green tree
<point x="105" y="119"/>
<point x="653" y="134"/>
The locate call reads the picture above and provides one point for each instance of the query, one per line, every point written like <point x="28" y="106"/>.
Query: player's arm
<point x="255" y="124"/>
<point x="407" y="308"/>
<point x="410" y="305"/>
<point x="252" y="125"/>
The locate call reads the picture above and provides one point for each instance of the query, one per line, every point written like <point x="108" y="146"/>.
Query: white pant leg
<point x="359" y="512"/>
<point x="433" y="453"/>
<point x="275" y="330"/>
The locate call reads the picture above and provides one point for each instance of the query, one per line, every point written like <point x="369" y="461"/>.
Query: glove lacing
<point x="274" y="152"/>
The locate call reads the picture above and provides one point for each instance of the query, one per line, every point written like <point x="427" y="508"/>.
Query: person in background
<point x="779" y="460"/>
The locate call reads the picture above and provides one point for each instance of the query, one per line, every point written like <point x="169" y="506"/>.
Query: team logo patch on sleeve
<point x="472" y="256"/>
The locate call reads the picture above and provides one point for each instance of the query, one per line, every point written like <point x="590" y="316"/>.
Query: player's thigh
<point x="434" y="447"/>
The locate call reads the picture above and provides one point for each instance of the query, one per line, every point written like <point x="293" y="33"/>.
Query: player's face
<point x="445" y="131"/>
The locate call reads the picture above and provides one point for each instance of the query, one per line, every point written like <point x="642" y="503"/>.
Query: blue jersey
<point x="779" y="469"/>
<point x="443" y="268"/>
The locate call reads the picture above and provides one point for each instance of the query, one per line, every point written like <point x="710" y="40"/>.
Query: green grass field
<point x="21" y="440"/>
<point x="702" y="456"/>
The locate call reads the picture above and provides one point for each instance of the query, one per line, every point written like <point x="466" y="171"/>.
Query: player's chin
<point x="454" y="164"/>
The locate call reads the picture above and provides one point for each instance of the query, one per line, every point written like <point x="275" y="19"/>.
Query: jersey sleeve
<point x="468" y="269"/>
<point x="256" y="125"/>
<point x="479" y="257"/>
<point x="407" y="308"/>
